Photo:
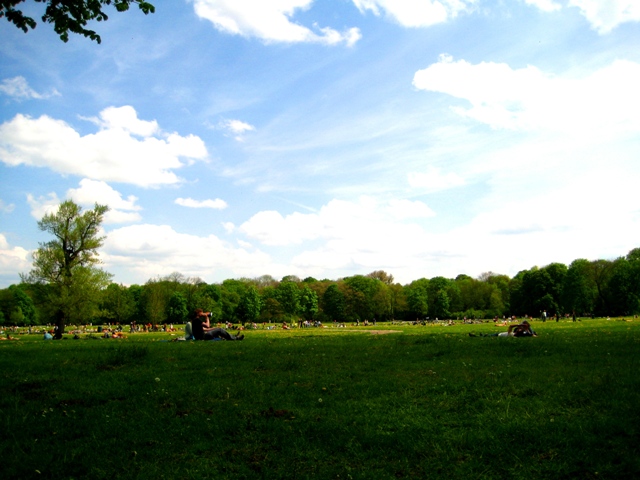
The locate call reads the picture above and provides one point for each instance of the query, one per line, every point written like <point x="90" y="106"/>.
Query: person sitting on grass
<point x="520" y="330"/>
<point x="202" y="330"/>
<point x="188" y="332"/>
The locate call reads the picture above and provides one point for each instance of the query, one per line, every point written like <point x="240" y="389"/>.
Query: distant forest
<point x="584" y="288"/>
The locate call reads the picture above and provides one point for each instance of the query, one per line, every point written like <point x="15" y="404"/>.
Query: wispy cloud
<point x="6" y="208"/>
<point x="603" y="15"/>
<point x="270" y="21"/>
<point x="544" y="5"/>
<point x="19" y="89"/>
<point x="216" y="204"/>
<point x="236" y="128"/>
<point x="416" y="13"/>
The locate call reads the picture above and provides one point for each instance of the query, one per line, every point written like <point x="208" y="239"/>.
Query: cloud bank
<point x="530" y="99"/>
<point x="125" y="149"/>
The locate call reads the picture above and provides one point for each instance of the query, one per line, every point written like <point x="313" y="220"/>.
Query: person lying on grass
<point x="520" y="330"/>
<point x="201" y="328"/>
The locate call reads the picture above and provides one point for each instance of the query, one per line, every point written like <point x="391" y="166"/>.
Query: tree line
<point x="583" y="288"/>
<point x="67" y="286"/>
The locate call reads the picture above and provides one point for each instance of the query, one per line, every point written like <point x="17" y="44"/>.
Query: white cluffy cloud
<point x="416" y="13"/>
<point x="338" y="220"/>
<point x="529" y="99"/>
<point x="216" y="204"/>
<point x="605" y="15"/>
<point x="121" y="210"/>
<point x="18" y="88"/>
<point x="270" y="21"/>
<point x="151" y="250"/>
<point x="43" y="205"/>
<point x="434" y="181"/>
<point x="125" y="149"/>
<point x="13" y="260"/>
<point x="237" y="128"/>
<point x="89" y="193"/>
<point x="349" y="236"/>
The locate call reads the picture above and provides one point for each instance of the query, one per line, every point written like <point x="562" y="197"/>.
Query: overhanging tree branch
<point x="69" y="15"/>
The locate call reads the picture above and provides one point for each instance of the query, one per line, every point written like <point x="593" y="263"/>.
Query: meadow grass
<point x="423" y="402"/>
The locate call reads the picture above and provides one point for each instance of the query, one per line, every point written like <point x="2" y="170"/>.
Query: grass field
<point x="422" y="402"/>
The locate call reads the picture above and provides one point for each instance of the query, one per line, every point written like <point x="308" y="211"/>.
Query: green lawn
<point x="424" y="402"/>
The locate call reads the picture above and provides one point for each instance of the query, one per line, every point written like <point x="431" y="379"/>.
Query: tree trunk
<point x="59" y="326"/>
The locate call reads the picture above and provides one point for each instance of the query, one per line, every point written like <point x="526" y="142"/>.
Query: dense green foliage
<point x="69" y="15"/>
<point x="583" y="288"/>
<point x="424" y="402"/>
<point x="65" y="273"/>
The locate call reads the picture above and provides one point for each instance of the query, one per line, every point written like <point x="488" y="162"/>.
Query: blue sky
<point x="238" y="138"/>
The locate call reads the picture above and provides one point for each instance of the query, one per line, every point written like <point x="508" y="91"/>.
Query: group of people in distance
<point x="520" y="330"/>
<point x="200" y="329"/>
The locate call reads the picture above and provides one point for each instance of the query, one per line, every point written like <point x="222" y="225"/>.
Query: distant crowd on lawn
<point x="115" y="330"/>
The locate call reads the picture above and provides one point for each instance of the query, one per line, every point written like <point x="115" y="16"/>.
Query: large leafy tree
<point x="334" y="304"/>
<point x="623" y="288"/>
<point x="16" y="307"/>
<point x="177" y="310"/>
<point x="155" y="298"/>
<point x="208" y="298"/>
<point x="366" y="297"/>
<point x="600" y="272"/>
<point x="231" y="292"/>
<point x="579" y="292"/>
<point x="418" y="298"/>
<point x="68" y="263"/>
<point x="288" y="295"/>
<point x="383" y="276"/>
<point x="118" y="303"/>
<point x="308" y="303"/>
<point x="248" y="309"/>
<point x="537" y="290"/>
<point x="438" y="291"/>
<point x="69" y="15"/>
<point x="441" y="304"/>
<point x="271" y="309"/>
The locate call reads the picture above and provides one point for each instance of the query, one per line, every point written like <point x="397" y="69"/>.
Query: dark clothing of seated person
<point x="524" y="330"/>
<point x="202" y="329"/>
<point x="216" y="333"/>
<point x="197" y="328"/>
<point x="520" y="330"/>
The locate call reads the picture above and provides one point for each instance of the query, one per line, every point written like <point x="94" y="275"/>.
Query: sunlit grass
<point x="424" y="402"/>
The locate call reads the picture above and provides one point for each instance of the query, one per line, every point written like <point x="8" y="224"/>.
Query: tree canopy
<point x="68" y="263"/>
<point x="584" y="288"/>
<point x="69" y="15"/>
